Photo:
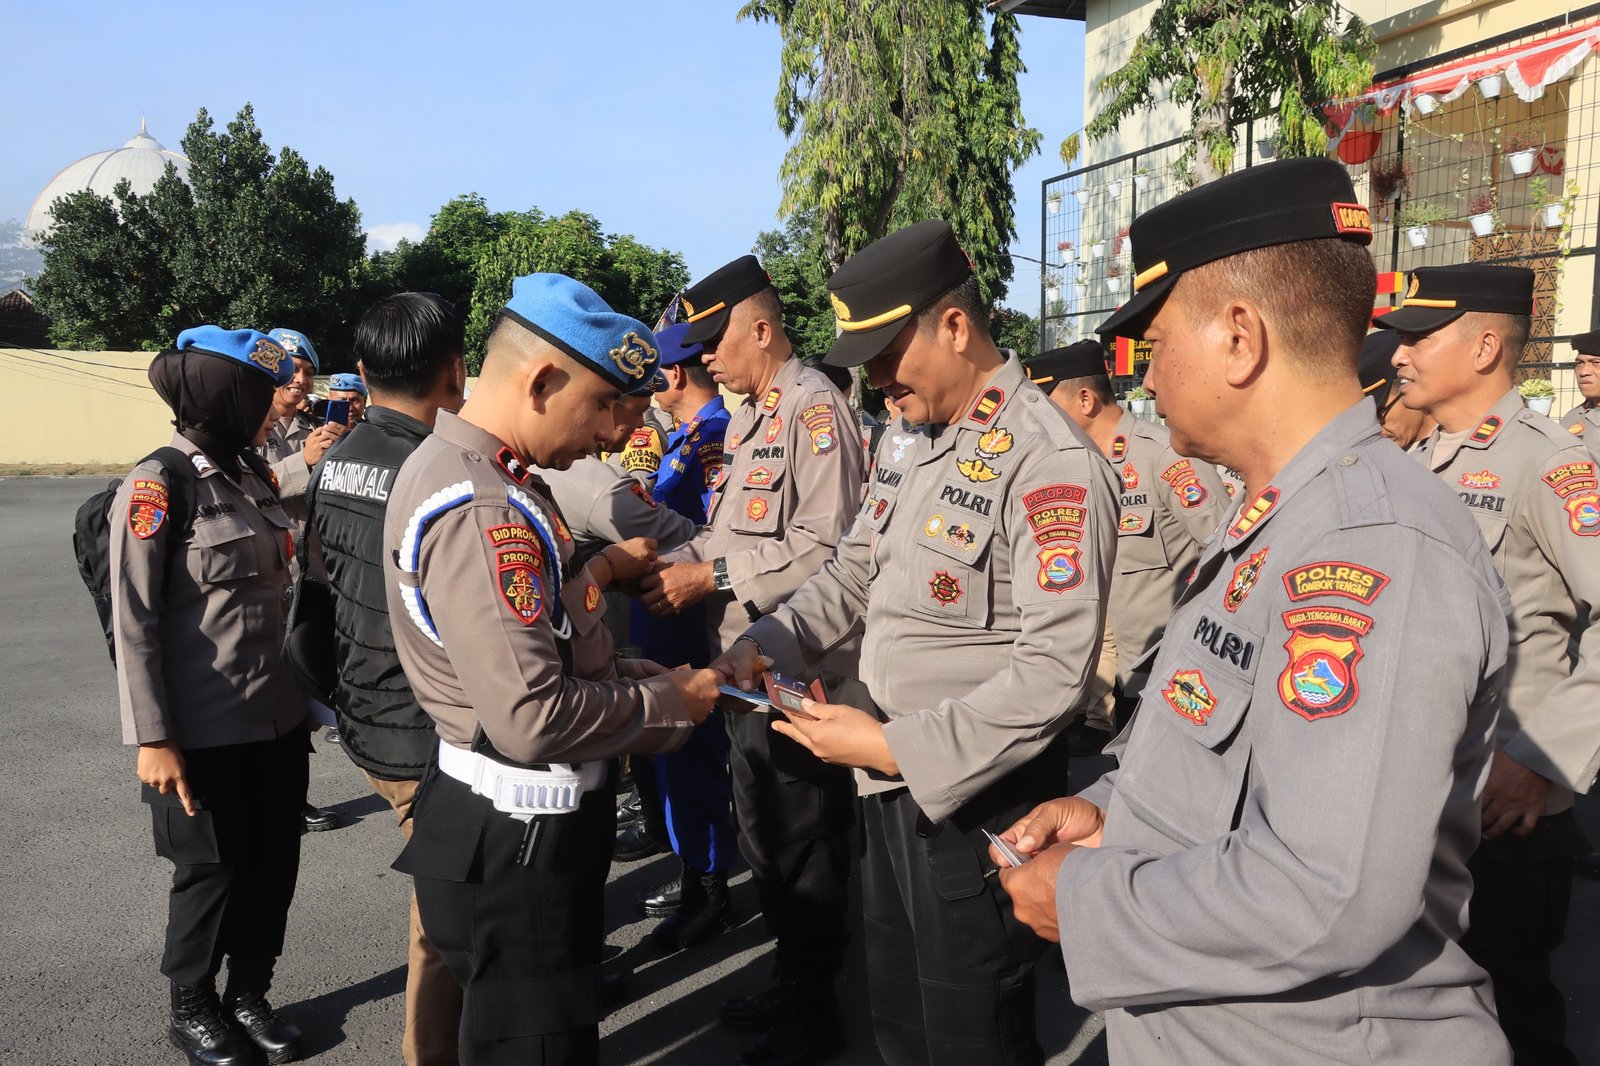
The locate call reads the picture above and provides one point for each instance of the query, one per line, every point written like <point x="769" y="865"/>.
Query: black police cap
<point x="879" y="288"/>
<point x="1376" y="366"/>
<point x="1587" y="343"/>
<point x="1275" y="203"/>
<point x="708" y="303"/>
<point x="1085" y="359"/>
<point x="1437" y="296"/>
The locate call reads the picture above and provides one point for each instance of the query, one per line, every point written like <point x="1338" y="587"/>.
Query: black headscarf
<point x="218" y="403"/>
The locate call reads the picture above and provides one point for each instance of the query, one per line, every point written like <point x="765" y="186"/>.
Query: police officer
<point x="353" y="391"/>
<point x="1276" y="872"/>
<point x="979" y="565"/>
<point x="506" y="651"/>
<point x="1586" y="366"/>
<point x="640" y="455"/>
<point x="693" y="782"/>
<point x="221" y="729"/>
<point x="1168" y="507"/>
<point x="410" y="347"/>
<point x="1376" y="371"/>
<point x="791" y="481"/>
<point x="1532" y="488"/>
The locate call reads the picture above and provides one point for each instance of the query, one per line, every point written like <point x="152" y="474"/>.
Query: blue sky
<point x="558" y="106"/>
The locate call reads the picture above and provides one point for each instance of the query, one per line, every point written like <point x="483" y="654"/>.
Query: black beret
<point x="879" y="288"/>
<point x="1275" y="203"/>
<point x="707" y="303"/>
<point x="1438" y="296"/>
<point x="1587" y="343"/>
<point x="1376" y="367"/>
<point x="1086" y="359"/>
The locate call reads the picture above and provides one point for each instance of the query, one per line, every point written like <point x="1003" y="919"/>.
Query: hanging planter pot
<point x="1082" y="196"/>
<point x="1054" y="204"/>
<point x="1113" y="285"/>
<point x="1141" y="182"/>
<point x="1113" y="189"/>
<point x="1417" y="235"/>
<point x="1097" y="249"/>
<point x="1490" y="84"/>
<point x="1358" y="146"/>
<point x="1052" y="293"/>
<point x="1425" y="103"/>
<point x="1482" y="225"/>
<point x="1264" y="148"/>
<point x="1522" y="162"/>
<point x="1550" y="215"/>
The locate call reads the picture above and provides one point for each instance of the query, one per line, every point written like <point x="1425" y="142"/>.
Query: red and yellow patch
<point x="1185" y="483"/>
<point x="1259" y="509"/>
<point x="1487" y="429"/>
<point x="1350" y="580"/>
<point x="770" y="404"/>
<point x="1352" y="218"/>
<point x="1570" y="478"/>
<point x="147" y="508"/>
<point x="1244" y="579"/>
<point x="761" y="476"/>
<point x="1055" y="512"/>
<point x="1189" y="695"/>
<point x="945" y="589"/>
<point x="1130" y="477"/>
<point x="1131" y="523"/>
<point x="561" y="527"/>
<point x="1119" y="447"/>
<point x="773" y="430"/>
<point x="1060" y="567"/>
<point x="591" y="598"/>
<point x="756" y="508"/>
<point x="983" y="411"/>
<point x="819" y="422"/>
<point x="519" y="558"/>
<point x="1324" y="646"/>
<point x="1483" y="479"/>
<point x="640" y="491"/>
<point x="1583" y="513"/>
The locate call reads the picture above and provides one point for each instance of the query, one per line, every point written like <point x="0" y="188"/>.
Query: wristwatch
<point x="719" y="576"/>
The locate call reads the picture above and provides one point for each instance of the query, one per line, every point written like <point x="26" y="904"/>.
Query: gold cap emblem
<point x="839" y="307"/>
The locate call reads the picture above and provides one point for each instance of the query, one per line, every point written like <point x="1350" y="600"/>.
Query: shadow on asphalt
<point x="322" y="1018"/>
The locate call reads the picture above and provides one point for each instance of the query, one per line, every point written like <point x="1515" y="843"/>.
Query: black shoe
<point x="705" y="912"/>
<point x="628" y="809"/>
<point x="637" y="842"/>
<point x="612" y="990"/>
<point x="803" y="1033"/>
<point x="318" y="820"/>
<point x="199" y="1030"/>
<point x="331" y="735"/>
<point x="753" y="1014"/>
<point x="278" y="1038"/>
<point x="1588" y="865"/>
<point x="662" y="900"/>
<point x="1088" y="742"/>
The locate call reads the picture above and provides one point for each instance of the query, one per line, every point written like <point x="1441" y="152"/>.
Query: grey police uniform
<point x="1582" y="421"/>
<point x="1283" y="870"/>
<point x="285" y="441"/>
<point x="505" y="650"/>
<point x="979" y="565"/>
<point x="603" y="505"/>
<point x="1168" y="507"/>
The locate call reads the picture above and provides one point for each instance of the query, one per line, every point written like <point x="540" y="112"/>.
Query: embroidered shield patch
<point x="1060" y="567"/>
<point x="1324" y="647"/>
<point x="756" y="508"/>
<point x="1244" y="579"/>
<point x="518" y="560"/>
<point x="147" y="508"/>
<point x="1189" y="695"/>
<point x="1583" y="514"/>
<point x="591" y="598"/>
<point x="773" y="430"/>
<point x="945" y="589"/>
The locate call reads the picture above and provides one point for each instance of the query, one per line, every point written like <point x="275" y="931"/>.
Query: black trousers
<point x="794" y="814"/>
<point x="235" y="860"/>
<point x="1521" y="890"/>
<point x="949" y="968"/>
<point x="524" y="941"/>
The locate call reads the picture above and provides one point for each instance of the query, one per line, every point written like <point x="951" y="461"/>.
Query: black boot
<point x="638" y="841"/>
<point x="200" y="1031"/>
<point x="318" y="820"/>
<point x="662" y="900"/>
<point x="706" y="911"/>
<point x="807" y="1029"/>
<point x="246" y="1000"/>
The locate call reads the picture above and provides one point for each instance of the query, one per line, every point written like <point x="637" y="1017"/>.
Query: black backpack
<point x="91" y="530"/>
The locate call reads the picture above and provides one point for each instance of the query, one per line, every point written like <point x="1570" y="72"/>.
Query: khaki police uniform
<point x="1168" y="507"/>
<point x="285" y="441"/>
<point x="603" y="506"/>
<point x="504" y="646"/>
<point x="642" y="455"/>
<point x="1282" y="876"/>
<point x="791" y="482"/>
<point x="979" y="566"/>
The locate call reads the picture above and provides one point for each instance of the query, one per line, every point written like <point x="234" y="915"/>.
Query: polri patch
<point x="1324" y="646"/>
<point x="591" y="598"/>
<point x="147" y="508"/>
<point x="1131" y="523"/>
<point x="1119" y="447"/>
<point x="1487" y="430"/>
<point x="774" y="428"/>
<point x="761" y="476"/>
<point x="1570" y="478"/>
<point x="1259" y="509"/>
<point x="756" y="509"/>
<point x="1483" y="479"/>
<point x="640" y="491"/>
<point x="995" y="443"/>
<point x="770" y="404"/>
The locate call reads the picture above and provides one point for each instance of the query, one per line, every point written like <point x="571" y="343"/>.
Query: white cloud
<point x="384" y="236"/>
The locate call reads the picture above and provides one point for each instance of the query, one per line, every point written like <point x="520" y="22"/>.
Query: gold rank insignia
<point x="839" y="307"/>
<point x="976" y="470"/>
<point x="994" y="443"/>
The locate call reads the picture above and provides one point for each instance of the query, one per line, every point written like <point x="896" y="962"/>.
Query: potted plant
<point x="1480" y="213"/>
<point x="1064" y="251"/>
<point x="1122" y="242"/>
<point x="1425" y="103"/>
<point x="1521" y="145"/>
<point x="1546" y="206"/>
<point x="1139" y="402"/>
<point x="1114" y="277"/>
<point x="1052" y="286"/>
<point x="1141" y="179"/>
<point x="1097" y="249"/>
<point x="1489" y="85"/>
<point x="1053" y="202"/>
<point x="1390" y="178"/>
<point x="1538" y="394"/>
<point x="1265" y="148"/>
<point x="1114" y="189"/>
<point x="1082" y="196"/>
<point x="1417" y="218"/>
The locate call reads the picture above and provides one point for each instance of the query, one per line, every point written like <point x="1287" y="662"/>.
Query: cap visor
<point x="707" y="329"/>
<point x="1137" y="311"/>
<point x="1417" y="319"/>
<point x="853" y="349"/>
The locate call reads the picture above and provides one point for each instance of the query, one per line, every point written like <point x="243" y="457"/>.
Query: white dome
<point x="142" y="161"/>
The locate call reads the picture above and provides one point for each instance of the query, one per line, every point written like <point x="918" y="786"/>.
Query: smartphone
<point x="788" y="695"/>
<point x="338" y="411"/>
<point x="1006" y="850"/>
<point x="756" y="697"/>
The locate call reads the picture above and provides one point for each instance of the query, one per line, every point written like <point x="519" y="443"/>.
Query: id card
<point x="1007" y="852"/>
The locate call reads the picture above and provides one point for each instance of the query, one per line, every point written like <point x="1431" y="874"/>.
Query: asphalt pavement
<point x="83" y="902"/>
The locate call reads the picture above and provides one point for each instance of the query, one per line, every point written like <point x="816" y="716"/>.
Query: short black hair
<point x="1098" y="384"/>
<point x="405" y="340"/>
<point x="968" y="297"/>
<point x="699" y="376"/>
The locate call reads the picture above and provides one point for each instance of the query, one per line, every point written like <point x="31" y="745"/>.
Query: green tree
<point x="901" y="111"/>
<point x="1015" y="330"/>
<point x="1232" y="60"/>
<point x="251" y="240"/>
<point x="443" y="260"/>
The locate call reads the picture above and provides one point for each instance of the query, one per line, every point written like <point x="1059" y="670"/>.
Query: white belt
<point x="518" y="792"/>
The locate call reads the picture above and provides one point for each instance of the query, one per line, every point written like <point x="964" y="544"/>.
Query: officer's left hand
<point x="639" y="669"/>
<point x="674" y="587"/>
<point x="1032" y="888"/>
<point x="1513" y="798"/>
<point x="841" y="734"/>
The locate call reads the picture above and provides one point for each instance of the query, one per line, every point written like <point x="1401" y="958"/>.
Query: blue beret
<point x="347" y="383"/>
<point x="246" y="346"/>
<point x="573" y="317"/>
<point x="297" y="345"/>
<point x="674" y="347"/>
